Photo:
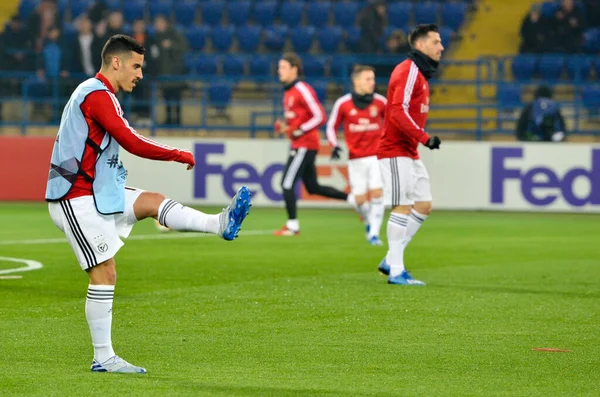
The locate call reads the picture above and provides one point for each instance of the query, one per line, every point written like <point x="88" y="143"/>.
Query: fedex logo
<point x="542" y="186"/>
<point x="237" y="173"/>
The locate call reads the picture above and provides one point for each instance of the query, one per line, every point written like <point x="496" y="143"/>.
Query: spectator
<point x="105" y="29"/>
<point x="97" y="11"/>
<point x="52" y="60"/>
<point x="592" y="11"/>
<point x="541" y="120"/>
<point x="167" y="49"/>
<point x="397" y="43"/>
<point x="371" y="21"/>
<point x="84" y="59"/>
<point x="569" y="22"/>
<point x="141" y="94"/>
<point x="44" y="18"/>
<point x="15" y="45"/>
<point x="534" y="32"/>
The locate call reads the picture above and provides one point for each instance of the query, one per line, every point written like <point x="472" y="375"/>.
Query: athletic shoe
<point x="404" y="279"/>
<point x="118" y="365"/>
<point x="384" y="268"/>
<point x="284" y="231"/>
<point x="232" y="217"/>
<point x="375" y="241"/>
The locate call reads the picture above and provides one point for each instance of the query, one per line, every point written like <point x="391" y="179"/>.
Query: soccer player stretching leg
<point x="87" y="196"/>
<point x="361" y="112"/>
<point x="406" y="182"/>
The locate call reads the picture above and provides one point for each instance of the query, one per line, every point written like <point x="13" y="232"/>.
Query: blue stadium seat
<point x="523" y="67"/>
<point x="321" y="90"/>
<point x="133" y="10"/>
<point x="239" y="12"/>
<point x="185" y="12"/>
<point x="426" y="12"/>
<point x="352" y="37"/>
<point x="260" y="65"/>
<point x="596" y="63"/>
<point x="330" y="38"/>
<point x="453" y="14"/>
<point x="446" y="34"/>
<point x="551" y="66"/>
<point x="387" y="31"/>
<point x="399" y="13"/>
<point x="302" y="38"/>
<point x="248" y="37"/>
<point x="508" y="96"/>
<point x="79" y="7"/>
<point x="314" y="66"/>
<point x="222" y="37"/>
<point x="291" y="13"/>
<point x="275" y="37"/>
<point x="591" y="40"/>
<point x="212" y="12"/>
<point x="161" y="7"/>
<point x="196" y="37"/>
<point x="579" y="67"/>
<point x="189" y="60"/>
<point x="219" y="94"/>
<point x="317" y="13"/>
<point x="233" y="65"/>
<point x="549" y="8"/>
<point x="264" y="12"/>
<point x="207" y="65"/>
<point x="26" y="7"/>
<point x="344" y="13"/>
<point x="590" y="96"/>
<point x="341" y="67"/>
<point x="111" y="4"/>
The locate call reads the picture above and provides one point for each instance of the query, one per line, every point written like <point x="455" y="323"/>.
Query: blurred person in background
<point x="98" y="11"/>
<point x="541" y="120"/>
<point x="106" y="28"/>
<point x="44" y="18"/>
<point x="568" y="26"/>
<point x="371" y="21"/>
<point x="141" y="96"/>
<point x="166" y="57"/>
<point x="81" y="49"/>
<point x="592" y="12"/>
<point x="535" y="32"/>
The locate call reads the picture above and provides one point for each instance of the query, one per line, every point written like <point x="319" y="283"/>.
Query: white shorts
<point x="364" y="175"/>
<point x="405" y="181"/>
<point x="94" y="237"/>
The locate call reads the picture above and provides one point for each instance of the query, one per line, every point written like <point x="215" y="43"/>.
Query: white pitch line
<point x="30" y="264"/>
<point x="10" y="277"/>
<point x="164" y="236"/>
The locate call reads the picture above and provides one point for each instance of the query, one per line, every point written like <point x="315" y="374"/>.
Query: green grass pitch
<point x="309" y="315"/>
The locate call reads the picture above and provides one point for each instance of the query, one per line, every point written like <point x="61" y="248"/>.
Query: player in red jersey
<point x="87" y="196"/>
<point x="304" y="115"/>
<point x="361" y="113"/>
<point x="405" y="179"/>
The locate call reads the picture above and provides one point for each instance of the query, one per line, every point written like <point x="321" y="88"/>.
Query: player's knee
<point x="147" y="205"/>
<point x="424" y="208"/>
<point x="401" y="209"/>
<point x="104" y="273"/>
<point x="376" y="193"/>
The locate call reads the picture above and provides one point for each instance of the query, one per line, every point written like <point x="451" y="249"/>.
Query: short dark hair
<point x="294" y="60"/>
<point x="421" y="31"/>
<point x="120" y="44"/>
<point x="358" y="69"/>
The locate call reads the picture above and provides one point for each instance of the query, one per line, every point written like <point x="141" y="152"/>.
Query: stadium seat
<point x="551" y="66"/>
<point x="344" y="13"/>
<point x="275" y="37"/>
<point x="579" y="67"/>
<point x="222" y="37"/>
<point x="351" y="38"/>
<point x="207" y="65"/>
<point x="549" y="8"/>
<point x="185" y="12"/>
<point x="317" y="13"/>
<point x="591" y="40"/>
<point x="196" y="37"/>
<point x="341" y="67"/>
<point x="321" y="90"/>
<point x="426" y="12"/>
<point x="260" y="66"/>
<point x="314" y="66"/>
<point x="596" y="63"/>
<point x="161" y="7"/>
<point x="264" y="12"/>
<point x="399" y="13"/>
<point x="387" y="31"/>
<point x="26" y="7"/>
<point x="212" y="12"/>
<point x="291" y="13"/>
<point x="453" y="15"/>
<point x="219" y="94"/>
<point x="446" y="34"/>
<point x="590" y="97"/>
<point x="233" y="65"/>
<point x="133" y="10"/>
<point x="239" y="12"/>
<point x="302" y="38"/>
<point x="508" y="97"/>
<point x="111" y="4"/>
<point x="189" y="60"/>
<point x="248" y="37"/>
<point x="79" y="7"/>
<point x="329" y="38"/>
<point x="523" y="67"/>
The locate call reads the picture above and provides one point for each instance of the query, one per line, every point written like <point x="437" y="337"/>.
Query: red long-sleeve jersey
<point x="362" y="127"/>
<point x="302" y="110"/>
<point x="104" y="115"/>
<point x="406" y="114"/>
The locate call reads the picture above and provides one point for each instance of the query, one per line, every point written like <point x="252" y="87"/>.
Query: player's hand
<point x="280" y="126"/>
<point x="335" y="153"/>
<point x="433" y="143"/>
<point x="297" y="133"/>
<point x="186" y="157"/>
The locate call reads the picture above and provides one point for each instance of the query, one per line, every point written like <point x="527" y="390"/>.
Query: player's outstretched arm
<point x="104" y="108"/>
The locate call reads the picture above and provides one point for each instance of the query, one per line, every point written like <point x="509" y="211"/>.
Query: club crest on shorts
<point x="293" y="153"/>
<point x="373" y="111"/>
<point x="102" y="247"/>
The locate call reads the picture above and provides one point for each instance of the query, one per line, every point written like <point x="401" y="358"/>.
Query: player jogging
<point x="405" y="179"/>
<point x="86" y="190"/>
<point x="361" y="113"/>
<point x="304" y="115"/>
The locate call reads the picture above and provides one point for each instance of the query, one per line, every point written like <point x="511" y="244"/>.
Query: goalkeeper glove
<point x="335" y="153"/>
<point x="433" y="143"/>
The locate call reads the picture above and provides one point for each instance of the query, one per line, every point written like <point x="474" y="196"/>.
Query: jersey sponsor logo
<point x="353" y="112"/>
<point x="541" y="185"/>
<point x="364" y="125"/>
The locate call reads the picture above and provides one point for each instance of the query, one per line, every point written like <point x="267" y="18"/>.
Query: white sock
<point x="293" y="225"/>
<point x="415" y="220"/>
<point x="98" y="311"/>
<point x="396" y="231"/>
<point x="376" y="216"/>
<point x="185" y="219"/>
<point x="363" y="211"/>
